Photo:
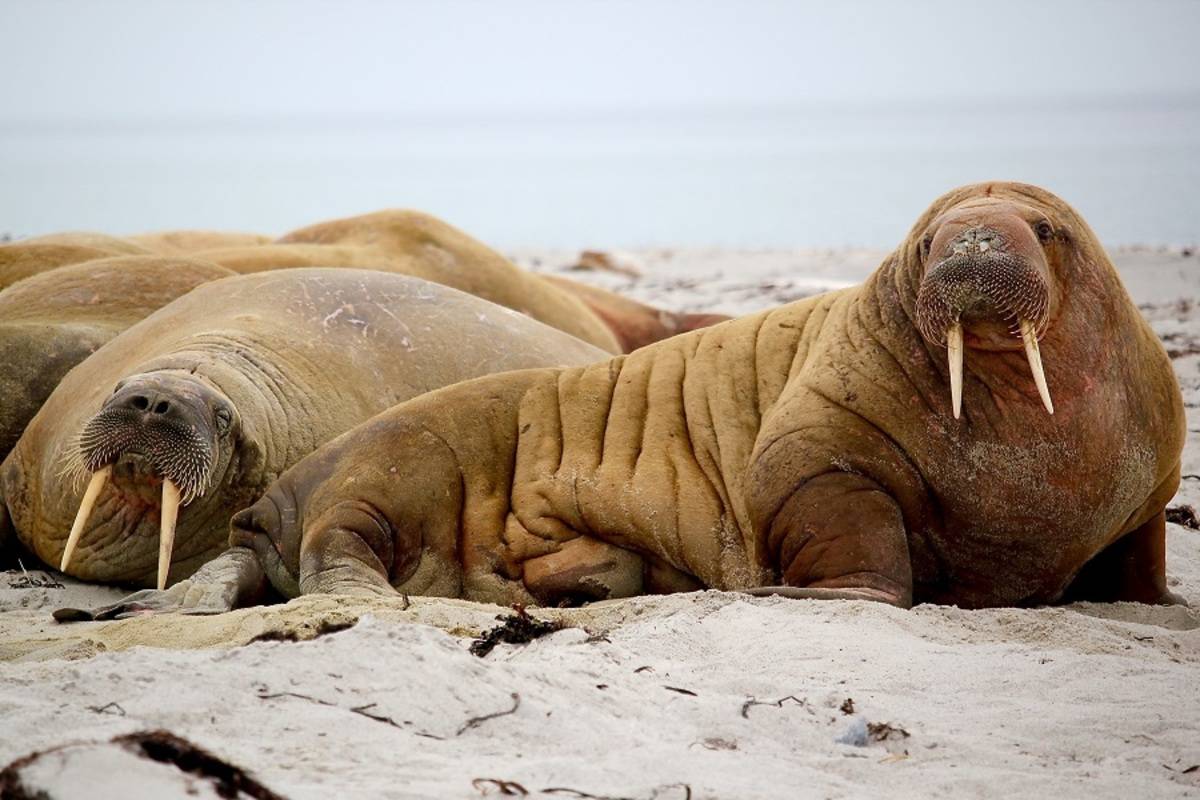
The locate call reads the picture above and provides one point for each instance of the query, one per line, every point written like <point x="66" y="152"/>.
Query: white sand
<point x="1083" y="701"/>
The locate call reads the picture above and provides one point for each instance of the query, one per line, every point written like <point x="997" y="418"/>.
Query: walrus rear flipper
<point x="634" y="324"/>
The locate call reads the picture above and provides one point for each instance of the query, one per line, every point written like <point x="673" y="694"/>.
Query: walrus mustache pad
<point x="1004" y="283"/>
<point x="178" y="453"/>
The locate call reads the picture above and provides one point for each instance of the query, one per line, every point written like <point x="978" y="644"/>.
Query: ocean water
<point x="826" y="176"/>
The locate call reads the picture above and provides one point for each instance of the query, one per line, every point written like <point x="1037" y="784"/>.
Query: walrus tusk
<point x="1029" y="337"/>
<point x="166" y="534"/>
<point x="99" y="478"/>
<point x="954" y="347"/>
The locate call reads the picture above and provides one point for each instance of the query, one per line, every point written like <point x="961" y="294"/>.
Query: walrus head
<point x="989" y="282"/>
<point x="168" y="428"/>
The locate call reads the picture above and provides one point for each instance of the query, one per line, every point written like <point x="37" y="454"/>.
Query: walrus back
<point x="649" y="450"/>
<point x="27" y="257"/>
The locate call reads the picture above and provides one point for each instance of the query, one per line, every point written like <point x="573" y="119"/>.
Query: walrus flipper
<point x="232" y="580"/>
<point x="809" y="593"/>
<point x="341" y="553"/>
<point x="842" y="532"/>
<point x="1131" y="569"/>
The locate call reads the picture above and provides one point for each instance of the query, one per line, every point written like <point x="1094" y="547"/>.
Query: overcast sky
<point x="149" y="58"/>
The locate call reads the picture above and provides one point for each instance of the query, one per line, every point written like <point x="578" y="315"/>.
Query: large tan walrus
<point x="634" y="324"/>
<point x="401" y="241"/>
<point x="418" y="244"/>
<point x="27" y="257"/>
<point x="197" y="409"/>
<point x="190" y="242"/>
<point x="52" y="321"/>
<point x="986" y="421"/>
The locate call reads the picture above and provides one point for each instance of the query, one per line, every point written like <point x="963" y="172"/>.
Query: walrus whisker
<point x="99" y="478"/>
<point x="166" y="540"/>
<point x="1029" y="337"/>
<point x="72" y="468"/>
<point x="954" y="348"/>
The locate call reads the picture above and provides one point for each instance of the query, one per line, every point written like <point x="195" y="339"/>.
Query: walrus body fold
<point x="206" y="401"/>
<point x="814" y="446"/>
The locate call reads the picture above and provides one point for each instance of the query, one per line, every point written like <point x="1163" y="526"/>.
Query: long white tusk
<point x="954" y="347"/>
<point x="99" y="478"/>
<point x="1029" y="337"/>
<point x="166" y="533"/>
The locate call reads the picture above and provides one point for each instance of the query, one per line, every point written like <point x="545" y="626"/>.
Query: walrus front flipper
<point x="343" y="552"/>
<point x="231" y="580"/>
<point x="841" y="536"/>
<point x="1133" y="568"/>
<point x="808" y="593"/>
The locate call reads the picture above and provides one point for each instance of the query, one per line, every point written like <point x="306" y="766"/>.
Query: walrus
<point x="986" y="421"/>
<point x="400" y="241"/>
<point x="52" y="321"/>
<point x="187" y="242"/>
<point x="634" y="324"/>
<point x="191" y="413"/>
<point x="414" y="243"/>
<point x="26" y="257"/>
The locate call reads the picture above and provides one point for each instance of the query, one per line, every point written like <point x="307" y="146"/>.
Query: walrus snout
<point x="987" y="283"/>
<point x="170" y="425"/>
<point x="173" y="422"/>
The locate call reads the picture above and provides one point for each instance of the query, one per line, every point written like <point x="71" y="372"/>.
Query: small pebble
<point x="855" y="733"/>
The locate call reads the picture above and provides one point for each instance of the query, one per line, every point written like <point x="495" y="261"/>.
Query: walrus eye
<point x="926" y="243"/>
<point x="224" y="419"/>
<point x="1044" y="231"/>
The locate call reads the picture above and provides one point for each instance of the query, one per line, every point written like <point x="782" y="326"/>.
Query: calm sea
<point x="814" y="177"/>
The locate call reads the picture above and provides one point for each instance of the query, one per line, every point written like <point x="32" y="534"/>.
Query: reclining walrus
<point x="418" y="244"/>
<point x="405" y="242"/>
<point x="190" y="242"/>
<point x="27" y="257"/>
<point x="52" y="321"/>
<point x="223" y="389"/>
<point x="986" y="421"/>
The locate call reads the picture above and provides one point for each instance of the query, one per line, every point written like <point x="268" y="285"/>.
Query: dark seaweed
<point x="516" y="628"/>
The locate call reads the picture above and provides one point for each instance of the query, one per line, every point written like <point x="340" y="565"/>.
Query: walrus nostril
<point x="151" y="402"/>
<point x="979" y="238"/>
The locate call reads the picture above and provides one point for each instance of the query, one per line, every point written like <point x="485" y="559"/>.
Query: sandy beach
<point x="707" y="695"/>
